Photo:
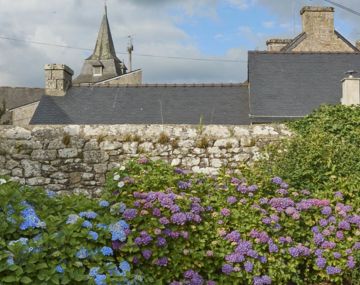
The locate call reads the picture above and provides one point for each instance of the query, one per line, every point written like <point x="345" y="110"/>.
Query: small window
<point x="98" y="70"/>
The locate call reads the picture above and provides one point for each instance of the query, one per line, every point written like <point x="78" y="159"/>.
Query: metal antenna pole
<point x="130" y="50"/>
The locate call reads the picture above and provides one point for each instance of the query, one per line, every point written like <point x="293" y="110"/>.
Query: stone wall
<point x="76" y="158"/>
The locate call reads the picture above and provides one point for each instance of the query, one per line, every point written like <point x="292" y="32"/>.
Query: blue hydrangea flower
<point x="82" y="253"/>
<point x="10" y="261"/>
<point x="72" y="219"/>
<point x="102" y="226"/>
<point x="89" y="215"/>
<point x="87" y="224"/>
<point x="100" y="279"/>
<point x="93" y="271"/>
<point x="93" y="235"/>
<point x="23" y="241"/>
<point x="50" y="194"/>
<point x="124" y="267"/>
<point x="59" y="269"/>
<point x="107" y="251"/>
<point x="117" y="231"/>
<point x="104" y="203"/>
<point x="31" y="220"/>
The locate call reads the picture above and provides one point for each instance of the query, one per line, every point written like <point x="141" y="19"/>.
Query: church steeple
<point x="103" y="64"/>
<point x="104" y="48"/>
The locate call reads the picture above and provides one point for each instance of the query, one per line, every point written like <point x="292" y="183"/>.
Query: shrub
<point x="323" y="155"/>
<point x="169" y="226"/>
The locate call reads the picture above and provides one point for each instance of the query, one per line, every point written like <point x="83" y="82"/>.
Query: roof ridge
<point x="162" y="85"/>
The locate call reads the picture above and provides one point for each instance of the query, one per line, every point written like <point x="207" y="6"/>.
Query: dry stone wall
<point x="76" y="158"/>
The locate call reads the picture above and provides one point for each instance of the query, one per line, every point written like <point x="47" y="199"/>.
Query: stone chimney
<point x="58" y="79"/>
<point x="277" y="44"/>
<point x="318" y="20"/>
<point x="350" y="90"/>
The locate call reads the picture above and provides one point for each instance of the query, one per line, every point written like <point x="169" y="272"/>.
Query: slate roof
<point x="289" y="85"/>
<point x="17" y="97"/>
<point x="147" y="104"/>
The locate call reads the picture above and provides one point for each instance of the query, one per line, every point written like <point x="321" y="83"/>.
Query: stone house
<point x="288" y="80"/>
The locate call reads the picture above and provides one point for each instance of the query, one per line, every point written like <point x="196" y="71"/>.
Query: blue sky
<point x="216" y="29"/>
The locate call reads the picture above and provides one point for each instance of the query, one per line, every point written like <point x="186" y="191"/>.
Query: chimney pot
<point x="58" y="79"/>
<point x="350" y="89"/>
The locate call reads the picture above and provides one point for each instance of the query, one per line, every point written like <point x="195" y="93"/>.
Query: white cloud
<point x="76" y="23"/>
<point x="268" y="24"/>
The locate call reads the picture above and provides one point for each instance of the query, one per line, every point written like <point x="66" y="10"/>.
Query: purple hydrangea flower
<point x="130" y="214"/>
<point x="248" y="266"/>
<point x="162" y="261"/>
<point x="231" y="200"/>
<point x="161" y="241"/>
<point x="147" y="254"/>
<point x="179" y="219"/>
<point x="184" y="185"/>
<point x="344" y="225"/>
<point x="320" y="262"/>
<point x="326" y="211"/>
<point x="273" y="248"/>
<point x="164" y="221"/>
<point x="225" y="212"/>
<point x="277" y="180"/>
<point x="234" y="236"/>
<point x="332" y="270"/>
<point x="227" y="269"/>
<point x="351" y="262"/>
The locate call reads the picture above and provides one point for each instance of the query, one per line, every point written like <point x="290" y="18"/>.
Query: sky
<point x="220" y="30"/>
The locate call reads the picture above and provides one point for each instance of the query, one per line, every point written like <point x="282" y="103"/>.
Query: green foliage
<point x="323" y="155"/>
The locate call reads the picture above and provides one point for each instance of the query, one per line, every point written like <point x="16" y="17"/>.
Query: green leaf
<point x="25" y="280"/>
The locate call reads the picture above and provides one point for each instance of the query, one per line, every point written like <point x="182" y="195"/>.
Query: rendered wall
<point x="76" y="158"/>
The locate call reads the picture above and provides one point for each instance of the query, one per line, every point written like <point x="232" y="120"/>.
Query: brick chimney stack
<point x="318" y="21"/>
<point x="58" y="79"/>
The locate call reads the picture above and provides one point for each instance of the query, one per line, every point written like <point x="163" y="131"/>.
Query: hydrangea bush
<point x="156" y="224"/>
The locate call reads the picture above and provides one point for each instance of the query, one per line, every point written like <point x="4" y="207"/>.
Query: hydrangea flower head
<point x="30" y="218"/>
<point x="227" y="269"/>
<point x="124" y="267"/>
<point x="89" y="215"/>
<point x="130" y="214"/>
<point x="104" y="204"/>
<point x="93" y="235"/>
<point x="59" y="269"/>
<point x="82" y="253"/>
<point x="332" y="270"/>
<point x="72" y="219"/>
<point x="277" y="180"/>
<point x="107" y="251"/>
<point x="87" y="224"/>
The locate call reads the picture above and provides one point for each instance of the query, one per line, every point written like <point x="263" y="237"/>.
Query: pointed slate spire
<point x="104" y="48"/>
<point x="103" y="64"/>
